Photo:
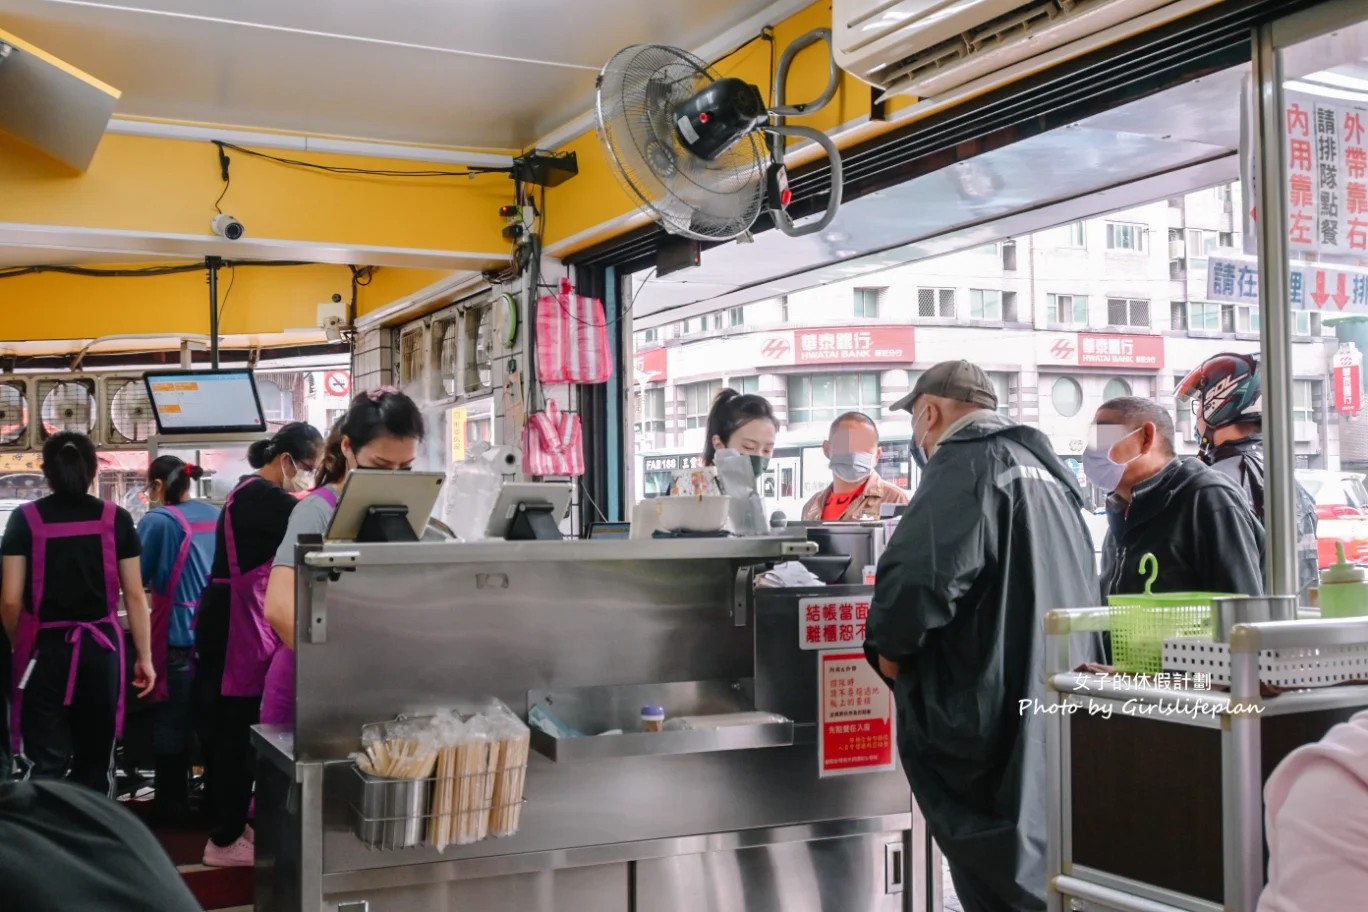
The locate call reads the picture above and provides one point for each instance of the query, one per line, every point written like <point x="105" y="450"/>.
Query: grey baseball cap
<point x="958" y="380"/>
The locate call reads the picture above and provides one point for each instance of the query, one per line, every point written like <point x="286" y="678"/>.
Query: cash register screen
<point x="205" y="402"/>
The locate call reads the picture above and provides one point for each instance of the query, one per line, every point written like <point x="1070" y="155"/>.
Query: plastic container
<point x="1343" y="588"/>
<point x="1141" y="623"/>
<point x="652" y="718"/>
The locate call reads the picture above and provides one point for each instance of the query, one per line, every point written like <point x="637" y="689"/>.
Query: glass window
<point x="1247" y="318"/>
<point x="1115" y="389"/>
<point x="936" y="302"/>
<point x="1204" y="316"/>
<point x="783" y="309"/>
<point x="1127" y="312"/>
<point x="698" y="399"/>
<point x="985" y="304"/>
<point x="1074" y="235"/>
<point x="1067" y="396"/>
<point x="1067" y="309"/>
<point x="1303" y="401"/>
<point x="1001" y="386"/>
<point x="651" y="411"/>
<point x="1301" y="322"/>
<point x="650" y="336"/>
<point x="746" y="385"/>
<point x="867" y="302"/>
<point x="1125" y="236"/>
<point x="717" y="320"/>
<point x="1200" y="245"/>
<point x="821" y="397"/>
<point x="276" y="403"/>
<point x="736" y="316"/>
<point x="687" y="327"/>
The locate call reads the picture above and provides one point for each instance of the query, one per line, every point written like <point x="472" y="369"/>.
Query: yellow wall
<point x="262" y="300"/>
<point x="169" y="186"/>
<point x="388" y="285"/>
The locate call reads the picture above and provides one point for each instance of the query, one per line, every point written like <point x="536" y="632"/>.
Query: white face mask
<point x="301" y="480"/>
<point x="851" y="467"/>
<point x="1098" y="465"/>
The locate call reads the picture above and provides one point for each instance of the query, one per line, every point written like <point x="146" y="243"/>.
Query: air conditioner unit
<point x="924" y="48"/>
<point x="1177" y="250"/>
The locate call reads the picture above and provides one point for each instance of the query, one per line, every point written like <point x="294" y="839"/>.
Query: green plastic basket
<point x="1141" y="623"/>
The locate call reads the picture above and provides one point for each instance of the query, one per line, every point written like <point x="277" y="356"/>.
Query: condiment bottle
<point x="652" y="718"/>
<point x="1343" y="588"/>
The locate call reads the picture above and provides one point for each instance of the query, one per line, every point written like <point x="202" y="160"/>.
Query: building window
<point x="276" y="403"/>
<point x="1067" y="396"/>
<point x="717" y="321"/>
<point x="1204" y="317"/>
<point x="747" y="386"/>
<point x="651" y="411"/>
<point x="867" y="302"/>
<point x="1301" y="322"/>
<point x="1009" y="255"/>
<point x="650" y="336"/>
<point x="736" y="316"/>
<point x="936" y="302"/>
<point x="1303" y="402"/>
<point x="1074" y="235"/>
<point x="985" y="304"/>
<point x="1127" y="312"/>
<point x="988" y="249"/>
<point x="821" y="397"/>
<point x="1068" y="310"/>
<point x="1202" y="244"/>
<point x="1247" y="318"/>
<point x="688" y="326"/>
<point x="1116" y="388"/>
<point x="783" y="309"/>
<point x="1000" y="388"/>
<point x="698" y="399"/>
<point x="1126" y="236"/>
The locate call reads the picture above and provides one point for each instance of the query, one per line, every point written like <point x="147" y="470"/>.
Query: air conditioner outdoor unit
<point x="924" y="48"/>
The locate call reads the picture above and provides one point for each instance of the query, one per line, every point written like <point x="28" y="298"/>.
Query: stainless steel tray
<point x="655" y="744"/>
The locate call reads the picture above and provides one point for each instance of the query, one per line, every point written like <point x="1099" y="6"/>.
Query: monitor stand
<point x="534" y="522"/>
<point x="386" y="524"/>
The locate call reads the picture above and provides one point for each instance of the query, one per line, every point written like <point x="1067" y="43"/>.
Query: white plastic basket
<point x="1287" y="668"/>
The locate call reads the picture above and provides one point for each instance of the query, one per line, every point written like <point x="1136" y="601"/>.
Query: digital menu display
<point x="205" y="402"/>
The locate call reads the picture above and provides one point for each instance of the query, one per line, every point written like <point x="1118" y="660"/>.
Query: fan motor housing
<point x="712" y="120"/>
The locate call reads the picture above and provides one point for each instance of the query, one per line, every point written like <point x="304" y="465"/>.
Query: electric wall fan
<point x="14" y="420"/>
<point x="129" y="410"/>
<point x="701" y="153"/>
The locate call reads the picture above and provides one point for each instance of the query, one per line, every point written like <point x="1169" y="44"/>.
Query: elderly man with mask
<point x="1193" y="519"/>
<point x="856" y="491"/>
<point x="992" y="540"/>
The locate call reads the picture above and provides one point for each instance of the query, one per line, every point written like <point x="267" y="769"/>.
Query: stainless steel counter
<point x="732" y="822"/>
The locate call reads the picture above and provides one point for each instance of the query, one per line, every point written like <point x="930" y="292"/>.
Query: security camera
<point x="225" y="226"/>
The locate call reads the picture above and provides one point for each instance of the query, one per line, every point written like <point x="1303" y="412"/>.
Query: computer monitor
<point x="205" y="402"/>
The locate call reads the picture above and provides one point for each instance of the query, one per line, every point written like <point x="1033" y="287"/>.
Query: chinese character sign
<point x="878" y="344"/>
<point x="1348" y="379"/>
<point x="856" y="716"/>
<point x="1121" y="351"/>
<point x="825" y="623"/>
<point x="1310" y="286"/>
<point x="1327" y="175"/>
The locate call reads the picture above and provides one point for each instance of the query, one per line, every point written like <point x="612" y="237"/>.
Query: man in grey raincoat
<point x="992" y="539"/>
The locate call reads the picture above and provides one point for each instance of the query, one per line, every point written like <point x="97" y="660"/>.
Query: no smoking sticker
<point x="337" y="383"/>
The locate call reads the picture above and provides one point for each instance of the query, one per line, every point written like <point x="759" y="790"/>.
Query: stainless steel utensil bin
<point x="391" y="813"/>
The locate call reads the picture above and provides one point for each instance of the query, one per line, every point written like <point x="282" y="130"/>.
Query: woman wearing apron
<point x="381" y="430"/>
<point x="233" y="642"/>
<point x="178" y="552"/>
<point x="66" y="557"/>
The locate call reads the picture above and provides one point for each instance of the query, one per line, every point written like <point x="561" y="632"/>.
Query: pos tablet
<point x="529" y="510"/>
<point x="382" y="506"/>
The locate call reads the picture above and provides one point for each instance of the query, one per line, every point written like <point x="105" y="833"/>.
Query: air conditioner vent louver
<point x="129" y="410"/>
<point x="66" y="405"/>
<point x="912" y="47"/>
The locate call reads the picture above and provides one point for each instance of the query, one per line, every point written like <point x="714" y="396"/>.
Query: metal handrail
<point x="1308" y="634"/>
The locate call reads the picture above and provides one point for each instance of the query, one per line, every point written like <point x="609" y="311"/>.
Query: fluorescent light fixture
<point x="1339" y="80"/>
<point x="1311" y="88"/>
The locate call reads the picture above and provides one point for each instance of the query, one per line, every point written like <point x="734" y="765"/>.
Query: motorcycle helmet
<point x="1224" y="390"/>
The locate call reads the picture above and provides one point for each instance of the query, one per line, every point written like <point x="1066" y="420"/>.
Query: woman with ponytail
<point x="381" y="430"/>
<point x="66" y="557"/>
<point x="178" y="551"/>
<point x="233" y="643"/>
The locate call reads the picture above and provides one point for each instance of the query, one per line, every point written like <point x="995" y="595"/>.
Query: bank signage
<point x="651" y="366"/>
<point x="1103" y="350"/>
<point x="1348" y="383"/>
<point x="855" y="345"/>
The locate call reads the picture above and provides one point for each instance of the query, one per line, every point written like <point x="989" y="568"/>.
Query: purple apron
<point x="251" y="641"/>
<point x="277" y="703"/>
<point x="30" y="623"/>
<point x="163" y="603"/>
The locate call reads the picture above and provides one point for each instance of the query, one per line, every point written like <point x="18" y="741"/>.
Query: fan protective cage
<point x="128" y="411"/>
<point x="66" y="404"/>
<point x="14" y="414"/>
<point x="638" y="91"/>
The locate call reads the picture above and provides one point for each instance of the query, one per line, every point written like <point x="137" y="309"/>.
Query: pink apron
<point x="251" y="641"/>
<point x="163" y="603"/>
<point x="277" y="703"/>
<point x="30" y="623"/>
